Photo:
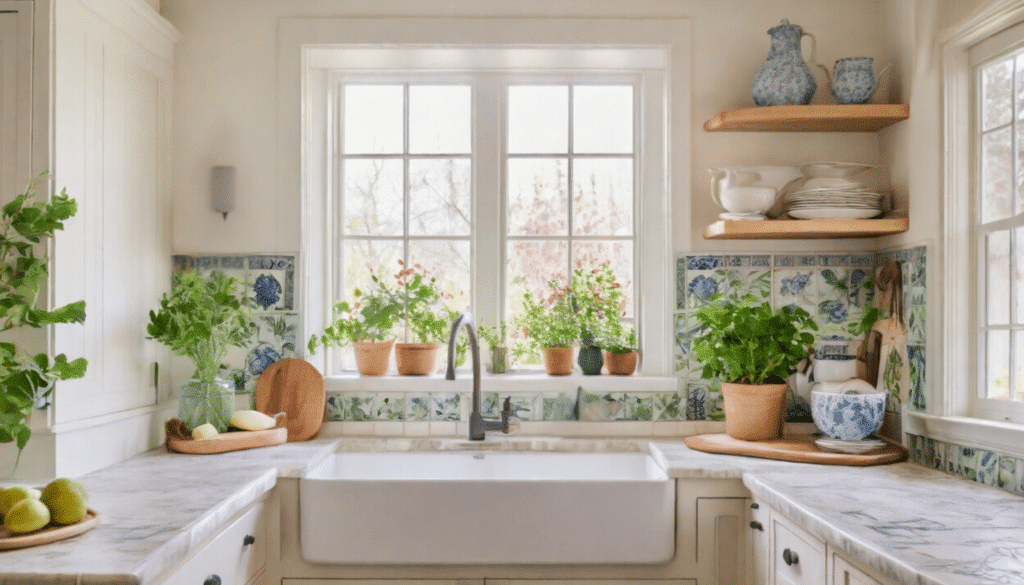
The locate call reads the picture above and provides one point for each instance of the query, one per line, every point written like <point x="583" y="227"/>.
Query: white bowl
<point x="748" y="199"/>
<point x="835" y="170"/>
<point x="839" y="369"/>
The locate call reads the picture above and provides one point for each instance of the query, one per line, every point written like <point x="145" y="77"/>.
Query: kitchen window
<point x="495" y="167"/>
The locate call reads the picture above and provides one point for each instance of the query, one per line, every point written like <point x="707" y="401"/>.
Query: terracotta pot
<point x="557" y="360"/>
<point x="416" y="359"/>
<point x="754" y="412"/>
<point x="373" y="358"/>
<point x="620" y="364"/>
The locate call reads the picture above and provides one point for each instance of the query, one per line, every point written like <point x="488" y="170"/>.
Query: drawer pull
<point x="754" y="506"/>
<point x="790" y="557"/>
<point x="756" y="525"/>
<point x="249" y="539"/>
<point x="212" y="580"/>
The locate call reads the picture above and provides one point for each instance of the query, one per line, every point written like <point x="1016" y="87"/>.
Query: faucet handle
<point x="507" y="415"/>
<point x="507" y="405"/>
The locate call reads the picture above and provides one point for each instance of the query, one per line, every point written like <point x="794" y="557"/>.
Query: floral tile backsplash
<point x="980" y="465"/>
<point x="836" y="289"/>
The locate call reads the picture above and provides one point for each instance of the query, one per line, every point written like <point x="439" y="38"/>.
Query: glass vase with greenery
<point x="495" y="338"/>
<point x="202" y="319"/>
<point x="25" y="380"/>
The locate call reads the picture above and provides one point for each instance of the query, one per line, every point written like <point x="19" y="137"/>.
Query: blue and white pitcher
<point x="853" y="79"/>
<point x="784" y="78"/>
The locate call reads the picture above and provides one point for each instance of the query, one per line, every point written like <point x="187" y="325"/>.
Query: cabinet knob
<point x="212" y="580"/>
<point x="754" y="506"/>
<point x="249" y="539"/>
<point x="790" y="557"/>
<point x="756" y="525"/>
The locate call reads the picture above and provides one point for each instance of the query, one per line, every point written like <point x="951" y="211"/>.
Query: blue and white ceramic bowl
<point x="847" y="417"/>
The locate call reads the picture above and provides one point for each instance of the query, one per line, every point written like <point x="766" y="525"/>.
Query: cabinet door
<point x="723" y="541"/>
<point x="15" y="97"/>
<point x="760" y="524"/>
<point x="382" y="582"/>
<point x="844" y="573"/>
<point x="590" y="582"/>
<point x="235" y="555"/>
<point x="797" y="557"/>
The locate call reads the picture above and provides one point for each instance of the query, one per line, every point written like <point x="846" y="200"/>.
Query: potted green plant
<point x="202" y="319"/>
<point x="427" y="321"/>
<point x="24" y="224"/>
<point x="495" y="338"/>
<point x="620" y="351"/>
<point x="550" y="327"/>
<point x="597" y="300"/>
<point x="752" y="349"/>
<point x="367" y="322"/>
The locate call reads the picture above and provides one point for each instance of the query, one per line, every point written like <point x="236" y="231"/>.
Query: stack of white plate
<point x="853" y="447"/>
<point x="833" y="198"/>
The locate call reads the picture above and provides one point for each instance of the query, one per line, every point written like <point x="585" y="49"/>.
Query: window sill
<point x="517" y="382"/>
<point x="1001" y="437"/>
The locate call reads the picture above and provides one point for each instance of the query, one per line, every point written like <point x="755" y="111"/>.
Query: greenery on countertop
<point x="24" y="224"/>
<point x="749" y="343"/>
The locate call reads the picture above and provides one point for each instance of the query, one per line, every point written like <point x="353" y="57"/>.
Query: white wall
<point x="225" y="110"/>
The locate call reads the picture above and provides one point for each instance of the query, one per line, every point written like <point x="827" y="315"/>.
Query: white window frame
<point x="305" y="44"/>
<point x="957" y="417"/>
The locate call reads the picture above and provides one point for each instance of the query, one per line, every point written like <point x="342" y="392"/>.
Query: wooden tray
<point x="798" y="448"/>
<point x="231" y="441"/>
<point x="48" y="534"/>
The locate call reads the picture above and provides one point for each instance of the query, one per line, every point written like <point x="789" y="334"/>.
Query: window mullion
<point x="569" y="185"/>
<point x="486" y="250"/>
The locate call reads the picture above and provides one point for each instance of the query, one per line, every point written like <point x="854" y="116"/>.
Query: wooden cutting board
<point x="798" y="448"/>
<point x="293" y="386"/>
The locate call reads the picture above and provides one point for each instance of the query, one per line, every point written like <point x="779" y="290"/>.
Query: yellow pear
<point x="67" y="500"/>
<point x="13" y="495"/>
<point x="27" y="515"/>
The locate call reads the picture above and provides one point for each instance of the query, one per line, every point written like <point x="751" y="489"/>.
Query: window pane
<point x="530" y="266"/>
<point x="602" y="119"/>
<point x="1018" y="366"/>
<point x="448" y="261"/>
<point x="439" y="119"/>
<point x="439" y="197"/>
<point x="996" y="178"/>
<point x="996" y="88"/>
<point x="1018" y="279"/>
<point x="602" y="197"/>
<point x="538" y="119"/>
<point x="620" y="255"/>
<point x="372" y="200"/>
<point x="998" y="282"/>
<point x="537" y="197"/>
<point x="365" y="258"/>
<point x="997" y="349"/>
<point x="373" y="119"/>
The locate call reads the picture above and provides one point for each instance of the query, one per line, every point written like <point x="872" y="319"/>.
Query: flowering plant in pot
<point x="752" y="349"/>
<point x="367" y="322"/>
<point x="597" y="300"/>
<point x="620" y="350"/>
<point x="495" y="338"/>
<point x="202" y="319"/>
<point x="427" y="320"/>
<point x="549" y="326"/>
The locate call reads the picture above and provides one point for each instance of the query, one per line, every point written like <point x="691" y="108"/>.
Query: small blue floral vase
<point x="784" y="78"/>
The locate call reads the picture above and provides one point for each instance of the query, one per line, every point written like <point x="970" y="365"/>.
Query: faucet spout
<point x="478" y="427"/>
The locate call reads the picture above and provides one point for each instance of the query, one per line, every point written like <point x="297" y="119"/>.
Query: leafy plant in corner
<point x="371" y="315"/>
<point x="202" y="319"/>
<point x="24" y="224"/>
<point x="751" y="344"/>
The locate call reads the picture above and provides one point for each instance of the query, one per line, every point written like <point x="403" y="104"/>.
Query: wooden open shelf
<point x="812" y="118"/>
<point x="808" y="229"/>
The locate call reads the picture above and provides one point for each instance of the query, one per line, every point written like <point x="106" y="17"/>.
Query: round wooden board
<point x="48" y="534"/>
<point x="293" y="386"/>
<point x="798" y="448"/>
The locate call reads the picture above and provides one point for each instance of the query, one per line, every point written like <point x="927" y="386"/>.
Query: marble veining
<point x="915" y="525"/>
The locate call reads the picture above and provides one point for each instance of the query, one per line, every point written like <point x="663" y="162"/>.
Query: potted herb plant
<point x="752" y="349"/>
<point x="495" y="338"/>
<point x="550" y="327"/>
<point x="367" y="322"/>
<point x="24" y="379"/>
<point x="427" y="321"/>
<point x="597" y="300"/>
<point x="620" y="351"/>
<point x="202" y="319"/>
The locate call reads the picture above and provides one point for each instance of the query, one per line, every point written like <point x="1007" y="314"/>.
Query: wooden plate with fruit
<point x="48" y="534"/>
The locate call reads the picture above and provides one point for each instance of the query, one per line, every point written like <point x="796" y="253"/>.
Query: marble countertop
<point x="915" y="525"/>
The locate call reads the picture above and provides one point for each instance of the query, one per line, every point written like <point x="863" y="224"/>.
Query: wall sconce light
<point x="222" y="190"/>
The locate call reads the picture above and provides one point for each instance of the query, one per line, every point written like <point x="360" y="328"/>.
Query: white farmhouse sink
<point x="487" y="508"/>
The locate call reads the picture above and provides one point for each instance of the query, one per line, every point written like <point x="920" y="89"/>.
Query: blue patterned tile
<point x="939" y="455"/>
<point x="558" y="406"/>
<point x="704" y="262"/>
<point x="833" y="260"/>
<point x="764" y="261"/>
<point x="784" y="261"/>
<point x="445" y="406"/>
<point x="1011" y="474"/>
<point x="335" y="407"/>
<point x="916" y="389"/>
<point x="862" y="260"/>
<point x="795" y="287"/>
<point x="988" y="468"/>
<point x="702" y="285"/>
<point x="668" y="406"/>
<point x="967" y="463"/>
<point x="802" y="261"/>
<point x="390" y="407"/>
<point x="527" y="406"/>
<point x="738" y="261"/>
<point x="417" y="406"/>
<point x="271" y="282"/>
<point x="681" y="283"/>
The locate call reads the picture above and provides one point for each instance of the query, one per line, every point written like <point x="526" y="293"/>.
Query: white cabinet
<point x="237" y="555"/>
<point x="758" y="540"/>
<point x="845" y="573"/>
<point x="722" y="543"/>
<point x="15" y="96"/>
<point x="797" y="558"/>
